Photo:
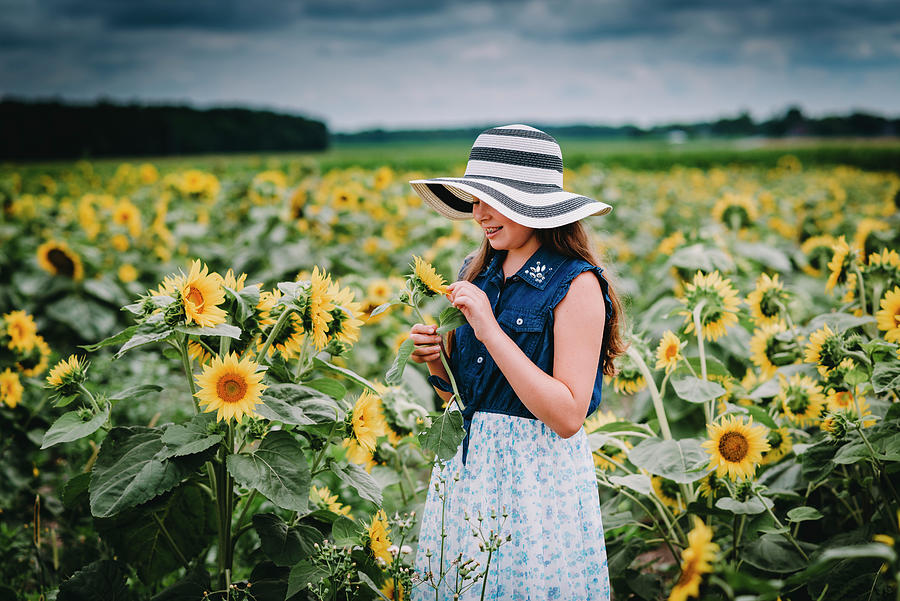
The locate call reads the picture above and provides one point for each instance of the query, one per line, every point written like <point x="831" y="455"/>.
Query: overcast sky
<point x="412" y="63"/>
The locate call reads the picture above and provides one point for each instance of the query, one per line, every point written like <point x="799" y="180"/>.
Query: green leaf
<point x="751" y="506"/>
<point x="764" y="254"/>
<point x="450" y="319"/>
<point x="76" y="489"/>
<point x="298" y="405"/>
<point x="102" y="579"/>
<point x="760" y="415"/>
<point x="697" y="390"/>
<point x="129" y="470"/>
<point x="332" y="388"/>
<point x="852" y="453"/>
<point x="195" y="436"/>
<point x="701" y="256"/>
<point x="639" y="483"/>
<point x="90" y="319"/>
<point x="355" y="476"/>
<point x="243" y="305"/>
<point x="302" y="574"/>
<point x="444" y="435"/>
<point x="774" y="553"/>
<point x="189" y="588"/>
<point x="277" y="469"/>
<point x="222" y="329"/>
<point x="836" y="321"/>
<point x="804" y="513"/>
<point x="347" y="373"/>
<point x="395" y="374"/>
<point x="714" y="367"/>
<point x="285" y="545"/>
<point x="188" y="516"/>
<point x="135" y="392"/>
<point x="680" y="460"/>
<point x="114" y="339"/>
<point x="886" y="377"/>
<point x="153" y="329"/>
<point x="345" y="532"/>
<point x="371" y="584"/>
<point x="381" y="308"/>
<point x="71" y="427"/>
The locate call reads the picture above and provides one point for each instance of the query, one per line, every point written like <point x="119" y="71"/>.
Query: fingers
<point x="426" y="354"/>
<point x="428" y="343"/>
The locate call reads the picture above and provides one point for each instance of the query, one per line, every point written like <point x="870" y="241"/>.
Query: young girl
<point x="543" y="329"/>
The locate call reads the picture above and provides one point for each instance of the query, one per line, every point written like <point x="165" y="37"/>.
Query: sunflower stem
<point x="787" y="315"/>
<point x="667" y="535"/>
<point x="456" y="396"/>
<point x="778" y="523"/>
<point x="318" y="458"/>
<point x="654" y="393"/>
<point x="709" y="406"/>
<point x="861" y="285"/>
<point x="272" y="333"/>
<point x="188" y="372"/>
<point x="90" y="397"/>
<point x="171" y="541"/>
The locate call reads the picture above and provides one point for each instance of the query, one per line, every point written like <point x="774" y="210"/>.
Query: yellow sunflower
<point x="735" y="448"/>
<point x="58" y="259"/>
<point x="818" y="251"/>
<point x="427" y="279"/>
<point x="198" y="351"/>
<point x="780" y="444"/>
<point x="767" y="299"/>
<point x="317" y="314"/>
<point x="668" y="493"/>
<point x="711" y="485"/>
<point x="367" y="421"/>
<point x="393" y="591"/>
<point x="735" y="211"/>
<point x="67" y="375"/>
<point x="864" y="229"/>
<point x="230" y="386"/>
<point x="36" y="360"/>
<point x="670" y="243"/>
<point x="801" y="399"/>
<point x="345" y="322"/>
<point x="856" y="404"/>
<point x="232" y="281"/>
<point x="379" y="537"/>
<point x="323" y="498"/>
<point x="21" y="330"/>
<point x="770" y="348"/>
<point x="841" y="263"/>
<point x="720" y="308"/>
<point x="611" y="451"/>
<point x="358" y="454"/>
<point x="379" y="291"/>
<point x="127" y="214"/>
<point x="10" y="388"/>
<point x="599" y="419"/>
<point x="888" y="317"/>
<point x="668" y="353"/>
<point x="825" y="349"/>
<point x="696" y="560"/>
<point x="201" y="292"/>
<point x="127" y="273"/>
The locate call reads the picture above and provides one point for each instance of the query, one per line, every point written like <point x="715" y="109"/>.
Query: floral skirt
<point x="547" y="487"/>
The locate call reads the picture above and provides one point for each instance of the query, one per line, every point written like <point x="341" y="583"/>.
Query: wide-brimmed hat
<point x="517" y="170"/>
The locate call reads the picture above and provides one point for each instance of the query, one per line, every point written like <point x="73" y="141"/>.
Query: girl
<point x="520" y="496"/>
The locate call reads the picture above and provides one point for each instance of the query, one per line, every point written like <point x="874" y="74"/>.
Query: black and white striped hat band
<point x="518" y="170"/>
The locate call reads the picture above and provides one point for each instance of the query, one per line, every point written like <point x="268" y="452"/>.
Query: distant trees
<point x="54" y="130"/>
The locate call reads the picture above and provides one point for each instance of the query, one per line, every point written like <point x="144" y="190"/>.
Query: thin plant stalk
<point x="709" y="406"/>
<point x="456" y="396"/>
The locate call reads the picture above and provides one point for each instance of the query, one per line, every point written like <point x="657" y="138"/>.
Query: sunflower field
<point x="204" y="391"/>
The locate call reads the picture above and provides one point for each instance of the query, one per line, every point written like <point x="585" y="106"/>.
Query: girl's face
<point x="502" y="233"/>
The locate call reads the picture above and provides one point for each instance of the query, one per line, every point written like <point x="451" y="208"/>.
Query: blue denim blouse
<point x="523" y="305"/>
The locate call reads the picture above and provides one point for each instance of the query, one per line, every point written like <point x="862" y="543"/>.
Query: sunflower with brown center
<point x="696" y="560"/>
<point x="201" y="293"/>
<point x="735" y="447"/>
<point x="668" y="353"/>
<point x="19" y="326"/>
<point x="231" y="386"/>
<point x="58" y="259"/>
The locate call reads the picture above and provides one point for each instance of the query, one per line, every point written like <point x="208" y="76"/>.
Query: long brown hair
<point x="572" y="241"/>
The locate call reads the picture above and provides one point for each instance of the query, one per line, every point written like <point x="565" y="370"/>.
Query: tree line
<point x="56" y="130"/>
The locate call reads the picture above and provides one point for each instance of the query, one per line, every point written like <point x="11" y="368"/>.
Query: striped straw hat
<point x="517" y="170"/>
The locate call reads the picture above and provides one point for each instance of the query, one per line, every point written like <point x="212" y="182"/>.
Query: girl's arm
<point x="428" y="351"/>
<point x="561" y="400"/>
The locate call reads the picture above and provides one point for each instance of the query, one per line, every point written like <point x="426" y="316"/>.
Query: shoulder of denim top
<point x="573" y="268"/>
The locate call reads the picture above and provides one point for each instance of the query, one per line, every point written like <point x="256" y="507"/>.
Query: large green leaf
<point x="774" y="553"/>
<point x="196" y="436"/>
<point x="357" y="477"/>
<point x="135" y="392"/>
<point x="130" y="470"/>
<point x="277" y="469"/>
<point x="152" y="329"/>
<point x="450" y="319"/>
<point x="189" y="587"/>
<point x="394" y="375"/>
<point x="751" y="506"/>
<point x="328" y="386"/>
<point x="119" y="338"/>
<point x="222" y="329"/>
<point x="886" y="377"/>
<point x="285" y="545"/>
<point x="639" y="483"/>
<point x="298" y="405"/>
<point x="697" y="390"/>
<point x="679" y="460"/>
<point x="90" y="319"/>
<point x="102" y="579"/>
<point x="188" y="516"/>
<point x="303" y="573"/>
<point x="70" y="426"/>
<point x="444" y="435"/>
<point x="347" y="373"/>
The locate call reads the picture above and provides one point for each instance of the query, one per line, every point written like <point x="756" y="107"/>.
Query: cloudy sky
<point x="411" y="63"/>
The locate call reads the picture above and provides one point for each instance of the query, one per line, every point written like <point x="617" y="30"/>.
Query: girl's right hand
<point x="428" y="343"/>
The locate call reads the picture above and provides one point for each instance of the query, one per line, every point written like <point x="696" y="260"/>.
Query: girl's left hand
<point x="475" y="306"/>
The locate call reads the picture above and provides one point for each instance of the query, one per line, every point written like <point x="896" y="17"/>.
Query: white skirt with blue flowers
<point x="547" y="487"/>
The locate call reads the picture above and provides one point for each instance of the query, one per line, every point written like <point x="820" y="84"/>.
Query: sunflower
<point x="232" y="281"/>
<point x="855" y="404"/>
<point x="629" y="382"/>
<point x="367" y="421"/>
<point x="801" y="399"/>
<point x="318" y="305"/>
<point x="267" y="187"/>
<point x="818" y="251"/>
<point x="780" y="444"/>
<point x="230" y="386"/>
<point x="767" y="299"/>
<point x="711" y="485"/>
<point x="67" y="376"/>
<point x="841" y="263"/>
<point x="864" y="229"/>
<point x="127" y="273"/>
<point x="127" y="214"/>
<point x="888" y="316"/>
<point x="21" y="330"/>
<point x="36" y="360"/>
<point x="393" y="590"/>
<point x="772" y="346"/>
<point x="58" y="259"/>
<point x="668" y="353"/>
<point x="598" y="420"/>
<point x="426" y="279"/>
<point x="607" y="452"/>
<point x="323" y="498"/>
<point x="668" y="493"/>
<point x="720" y="309"/>
<point x="735" y="448"/>
<point x="201" y="292"/>
<point x="670" y="243"/>
<point x="379" y="533"/>
<point x="735" y="211"/>
<point x="197" y="351"/>
<point x="825" y="349"/>
<point x="345" y="323"/>
<point x="696" y="560"/>
<point x="10" y="388"/>
<point x="358" y="454"/>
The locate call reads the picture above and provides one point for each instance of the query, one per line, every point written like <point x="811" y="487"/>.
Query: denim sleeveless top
<point x="523" y="305"/>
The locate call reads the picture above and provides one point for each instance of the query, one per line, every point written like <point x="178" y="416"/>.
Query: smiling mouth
<point x="491" y="230"/>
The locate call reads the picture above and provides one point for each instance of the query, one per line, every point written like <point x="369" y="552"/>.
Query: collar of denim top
<point x="536" y="271"/>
